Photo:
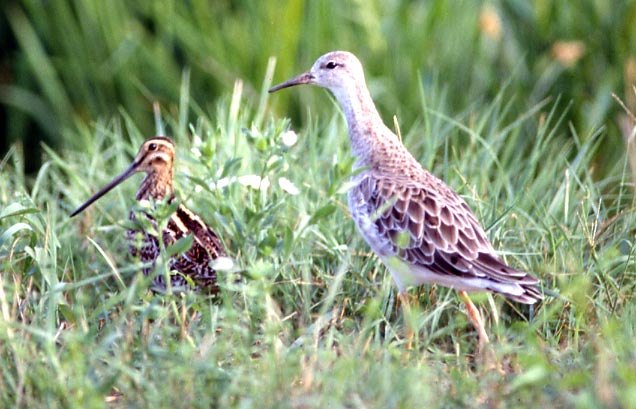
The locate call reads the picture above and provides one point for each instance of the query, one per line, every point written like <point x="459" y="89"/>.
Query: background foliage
<point x="509" y="101"/>
<point x="68" y="63"/>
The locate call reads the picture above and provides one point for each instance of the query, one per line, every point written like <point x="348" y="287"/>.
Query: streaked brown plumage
<point x="156" y="159"/>
<point x="420" y="228"/>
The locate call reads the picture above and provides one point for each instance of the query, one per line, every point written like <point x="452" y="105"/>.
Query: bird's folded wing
<point x="431" y="226"/>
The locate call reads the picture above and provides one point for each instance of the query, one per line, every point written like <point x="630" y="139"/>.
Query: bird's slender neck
<point x="366" y="129"/>
<point x="157" y="184"/>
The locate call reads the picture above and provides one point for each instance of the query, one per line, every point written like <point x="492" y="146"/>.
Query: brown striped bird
<point x="191" y="269"/>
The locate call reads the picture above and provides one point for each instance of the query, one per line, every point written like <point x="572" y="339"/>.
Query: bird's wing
<point x="206" y="245"/>
<point x="428" y="225"/>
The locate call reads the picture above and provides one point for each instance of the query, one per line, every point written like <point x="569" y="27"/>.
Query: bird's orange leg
<point x="475" y="317"/>
<point x="406" y="310"/>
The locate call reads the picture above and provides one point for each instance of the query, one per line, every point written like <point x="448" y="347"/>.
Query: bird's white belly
<point x="364" y="219"/>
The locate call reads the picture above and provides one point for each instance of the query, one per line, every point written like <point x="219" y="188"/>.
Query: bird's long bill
<point x="306" y="78"/>
<point x="123" y="176"/>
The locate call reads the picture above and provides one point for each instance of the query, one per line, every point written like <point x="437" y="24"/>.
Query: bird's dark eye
<point x="152" y="146"/>
<point x="331" y="65"/>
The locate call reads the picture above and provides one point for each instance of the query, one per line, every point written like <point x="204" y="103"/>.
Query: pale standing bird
<point x="156" y="159"/>
<point x="418" y="226"/>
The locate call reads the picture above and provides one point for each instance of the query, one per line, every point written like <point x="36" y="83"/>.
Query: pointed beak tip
<point x="285" y="84"/>
<point x="305" y="78"/>
<point x="79" y="209"/>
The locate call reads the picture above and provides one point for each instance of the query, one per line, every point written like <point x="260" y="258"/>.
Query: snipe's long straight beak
<point x="123" y="176"/>
<point x="306" y="78"/>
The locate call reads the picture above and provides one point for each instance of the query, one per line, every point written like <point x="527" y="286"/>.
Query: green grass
<point x="532" y="145"/>
<point x="315" y="322"/>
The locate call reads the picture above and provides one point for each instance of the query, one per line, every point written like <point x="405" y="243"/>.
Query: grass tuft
<point x="315" y="321"/>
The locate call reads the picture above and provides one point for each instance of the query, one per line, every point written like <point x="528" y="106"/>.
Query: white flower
<point x="289" y="138"/>
<point x="221" y="183"/>
<point x="288" y="186"/>
<point x="253" y="181"/>
<point x="144" y="204"/>
<point x="223" y="264"/>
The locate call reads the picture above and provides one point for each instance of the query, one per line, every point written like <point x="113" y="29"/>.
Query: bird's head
<point x="336" y="70"/>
